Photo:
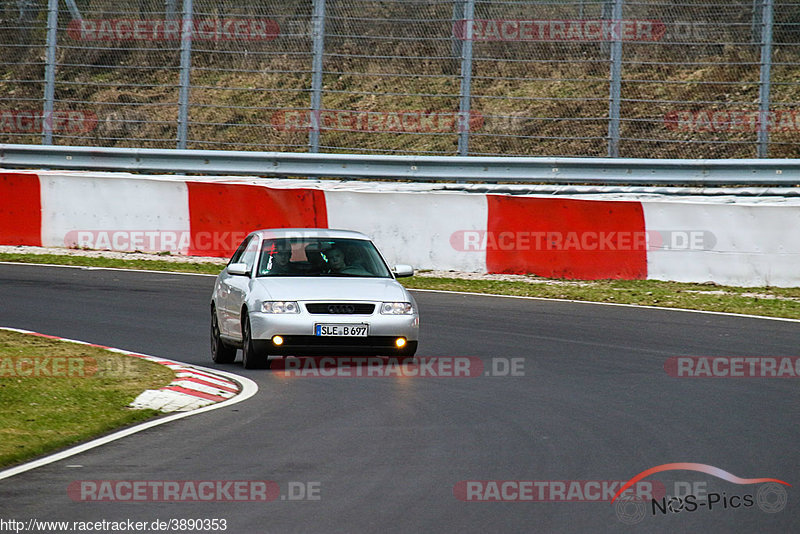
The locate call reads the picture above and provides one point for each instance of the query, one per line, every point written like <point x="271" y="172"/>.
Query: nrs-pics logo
<point x="770" y="496"/>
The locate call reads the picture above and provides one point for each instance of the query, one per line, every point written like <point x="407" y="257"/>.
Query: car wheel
<point x="220" y="352"/>
<point x="251" y="359"/>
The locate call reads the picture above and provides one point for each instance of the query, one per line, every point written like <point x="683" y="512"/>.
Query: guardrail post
<point x="187" y="26"/>
<point x="616" y="81"/>
<point x="50" y="72"/>
<point x="318" y="21"/>
<point x="764" y="79"/>
<point x="466" y="79"/>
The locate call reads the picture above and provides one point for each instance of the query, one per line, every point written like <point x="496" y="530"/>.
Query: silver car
<point x="309" y="291"/>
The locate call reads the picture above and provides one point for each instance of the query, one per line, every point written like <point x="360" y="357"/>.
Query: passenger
<point x="315" y="261"/>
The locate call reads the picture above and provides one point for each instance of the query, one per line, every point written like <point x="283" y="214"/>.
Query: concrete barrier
<point x="728" y="240"/>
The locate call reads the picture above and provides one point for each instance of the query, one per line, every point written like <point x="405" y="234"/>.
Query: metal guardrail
<point x="416" y="168"/>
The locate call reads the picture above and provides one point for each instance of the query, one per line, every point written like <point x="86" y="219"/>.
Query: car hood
<point x="331" y="288"/>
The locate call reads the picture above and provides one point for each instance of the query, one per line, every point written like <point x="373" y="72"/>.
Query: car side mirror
<point x="401" y="271"/>
<point x="239" y="269"/>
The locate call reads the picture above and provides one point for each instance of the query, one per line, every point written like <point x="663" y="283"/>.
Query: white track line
<point x="249" y="388"/>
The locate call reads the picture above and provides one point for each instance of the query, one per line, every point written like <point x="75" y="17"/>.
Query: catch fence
<point x="584" y="78"/>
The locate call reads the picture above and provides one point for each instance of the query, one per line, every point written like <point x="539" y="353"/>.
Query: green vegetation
<point x="86" y="261"/>
<point x="54" y="393"/>
<point x="770" y="301"/>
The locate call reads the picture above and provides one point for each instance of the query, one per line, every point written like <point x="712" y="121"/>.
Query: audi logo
<point x="341" y="308"/>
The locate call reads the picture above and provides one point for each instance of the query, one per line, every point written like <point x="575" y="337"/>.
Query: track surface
<point x="594" y="404"/>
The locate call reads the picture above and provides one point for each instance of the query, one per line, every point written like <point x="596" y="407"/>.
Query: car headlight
<point x="397" y="308"/>
<point x="280" y="306"/>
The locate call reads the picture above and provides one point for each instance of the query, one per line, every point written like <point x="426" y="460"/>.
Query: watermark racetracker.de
<point x="173" y="241"/>
<point x="559" y="30"/>
<point x="146" y="491"/>
<point x="206" y="29"/>
<point x="733" y="366"/>
<point x="558" y="240"/>
<point x="397" y="367"/>
<point x="38" y="121"/>
<point x="54" y="366"/>
<point x="554" y="490"/>
<point x="376" y="121"/>
<point x="732" y="121"/>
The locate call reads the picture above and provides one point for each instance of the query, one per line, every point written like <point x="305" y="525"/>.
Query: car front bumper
<point x="298" y="333"/>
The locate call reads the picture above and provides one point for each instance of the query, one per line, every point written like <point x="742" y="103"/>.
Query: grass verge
<point x="766" y="301"/>
<point x="769" y="301"/>
<point x="54" y="393"/>
<point x="90" y="261"/>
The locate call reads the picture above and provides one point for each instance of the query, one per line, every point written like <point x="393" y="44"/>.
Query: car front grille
<point x="340" y="308"/>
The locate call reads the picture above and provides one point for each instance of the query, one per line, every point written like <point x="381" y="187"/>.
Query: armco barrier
<point x="699" y="239"/>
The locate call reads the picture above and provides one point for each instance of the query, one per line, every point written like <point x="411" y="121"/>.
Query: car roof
<point x="278" y="233"/>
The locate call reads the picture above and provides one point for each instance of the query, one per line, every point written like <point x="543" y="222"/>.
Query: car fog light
<point x="277" y="340"/>
<point x="400" y="342"/>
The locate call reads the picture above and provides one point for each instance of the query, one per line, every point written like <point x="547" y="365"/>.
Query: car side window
<point x="236" y="258"/>
<point x="250" y="254"/>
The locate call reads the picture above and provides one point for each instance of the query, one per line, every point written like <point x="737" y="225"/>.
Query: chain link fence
<point x="687" y="79"/>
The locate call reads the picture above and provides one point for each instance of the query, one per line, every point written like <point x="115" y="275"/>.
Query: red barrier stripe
<point x="221" y="215"/>
<point x="195" y="393"/>
<point x="21" y="209"/>
<point x="566" y="238"/>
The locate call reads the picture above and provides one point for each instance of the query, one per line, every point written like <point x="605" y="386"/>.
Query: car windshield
<point x="321" y="257"/>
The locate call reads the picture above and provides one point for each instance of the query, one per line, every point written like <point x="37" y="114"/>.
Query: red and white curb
<point x="191" y="389"/>
<point x="246" y="389"/>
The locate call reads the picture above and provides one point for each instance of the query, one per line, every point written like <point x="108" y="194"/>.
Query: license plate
<point x="342" y="330"/>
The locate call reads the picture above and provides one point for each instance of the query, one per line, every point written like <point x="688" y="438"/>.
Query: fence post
<point x="458" y="19"/>
<point x="764" y="79"/>
<point x="171" y="8"/>
<point x="318" y="20"/>
<point x="73" y="10"/>
<point x="50" y="72"/>
<point x="616" y="81"/>
<point x="606" y="13"/>
<point x="187" y="27"/>
<point x="466" y="79"/>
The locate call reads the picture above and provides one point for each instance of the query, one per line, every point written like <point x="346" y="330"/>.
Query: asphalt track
<point x="594" y="403"/>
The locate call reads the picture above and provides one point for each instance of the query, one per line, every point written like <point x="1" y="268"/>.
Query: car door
<point x="227" y="285"/>
<point x="235" y="288"/>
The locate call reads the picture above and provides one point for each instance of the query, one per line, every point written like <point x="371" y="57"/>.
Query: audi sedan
<point x="305" y="292"/>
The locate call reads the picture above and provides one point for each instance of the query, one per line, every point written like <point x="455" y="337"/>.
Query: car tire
<point x="251" y="359"/>
<point x="220" y="351"/>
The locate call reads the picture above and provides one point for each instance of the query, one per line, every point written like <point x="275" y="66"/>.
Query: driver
<point x="337" y="263"/>
<point x="278" y="262"/>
